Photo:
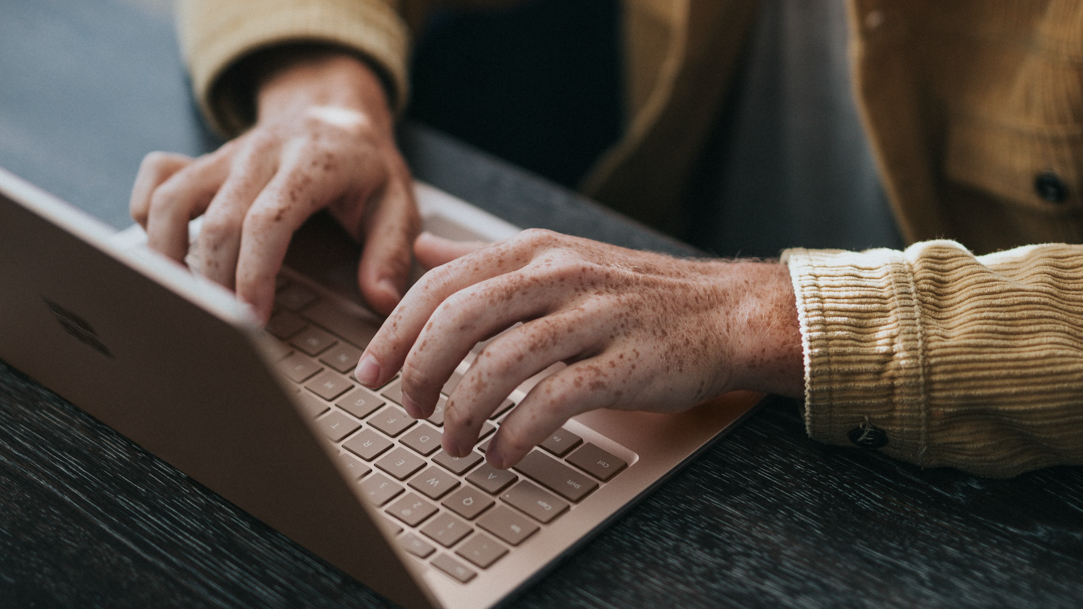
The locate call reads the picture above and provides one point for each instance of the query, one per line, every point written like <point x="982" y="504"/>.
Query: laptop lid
<point x="175" y="364"/>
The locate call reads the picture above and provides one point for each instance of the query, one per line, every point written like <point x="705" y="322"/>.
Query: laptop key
<point x="368" y="444"/>
<point x="457" y="465"/>
<point x="285" y="324"/>
<point x="540" y="505"/>
<point x="313" y="341"/>
<point x="393" y="390"/>
<point x="434" y="482"/>
<point x="555" y="476"/>
<point x="279" y="349"/>
<point x="360" y="402"/>
<point x="355" y="466"/>
<point x="295" y="297"/>
<point x="411" y="509"/>
<point x="379" y="489"/>
<point x="423" y="438"/>
<point x="507" y="524"/>
<point x="298" y="367"/>
<point x="392" y="421"/>
<point x="561" y="442"/>
<point x="312" y="405"/>
<point x="490" y="479"/>
<point x="337" y="426"/>
<point x="597" y="462"/>
<point x="482" y="550"/>
<point x="468" y="502"/>
<point x="400" y="463"/>
<point x="351" y="326"/>
<point x="328" y="385"/>
<point x="446" y="530"/>
<point x="416" y="546"/>
<point x="454" y="568"/>
<point x="342" y="357"/>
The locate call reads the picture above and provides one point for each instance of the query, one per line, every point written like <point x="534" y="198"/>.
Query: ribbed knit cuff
<point x="862" y="341"/>
<point x="215" y="35"/>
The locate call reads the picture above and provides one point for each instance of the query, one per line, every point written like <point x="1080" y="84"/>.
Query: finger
<point x="292" y="195"/>
<point x="508" y="361"/>
<point x="183" y="196"/>
<point x="219" y="242"/>
<point x="432" y="251"/>
<point x="581" y="387"/>
<point x="157" y="167"/>
<point x="465" y="318"/>
<point x="391" y="227"/>
<point x="388" y="349"/>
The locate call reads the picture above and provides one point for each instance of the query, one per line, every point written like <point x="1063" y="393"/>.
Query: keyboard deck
<point x="457" y="514"/>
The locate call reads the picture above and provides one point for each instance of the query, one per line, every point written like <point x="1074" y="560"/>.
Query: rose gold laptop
<point x="273" y="421"/>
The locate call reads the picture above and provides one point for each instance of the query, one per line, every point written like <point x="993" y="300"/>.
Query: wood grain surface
<point x="766" y="517"/>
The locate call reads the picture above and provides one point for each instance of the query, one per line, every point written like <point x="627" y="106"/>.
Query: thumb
<point x="432" y="251"/>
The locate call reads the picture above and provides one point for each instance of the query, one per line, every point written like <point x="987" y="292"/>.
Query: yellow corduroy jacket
<point x="974" y="109"/>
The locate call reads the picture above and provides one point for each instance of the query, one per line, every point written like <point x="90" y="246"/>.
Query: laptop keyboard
<point x="460" y="515"/>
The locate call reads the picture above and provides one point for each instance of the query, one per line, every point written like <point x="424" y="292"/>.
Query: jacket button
<point x="868" y="436"/>
<point x="1050" y="188"/>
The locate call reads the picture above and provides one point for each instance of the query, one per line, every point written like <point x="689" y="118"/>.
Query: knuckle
<point x="415" y="378"/>
<point x="164" y="198"/>
<point x="436" y="280"/>
<point x="263" y="217"/>
<point x="153" y="160"/>
<point x="219" y="225"/>
<point x="500" y="358"/>
<point x="538" y="237"/>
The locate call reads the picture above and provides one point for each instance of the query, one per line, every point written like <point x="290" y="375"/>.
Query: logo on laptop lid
<point x="77" y="327"/>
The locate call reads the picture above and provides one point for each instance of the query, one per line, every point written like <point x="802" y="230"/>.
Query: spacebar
<point x="356" y="328"/>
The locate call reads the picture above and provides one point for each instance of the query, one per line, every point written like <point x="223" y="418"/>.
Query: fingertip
<point x="368" y="371"/>
<point x="451" y="448"/>
<point x="493" y="456"/>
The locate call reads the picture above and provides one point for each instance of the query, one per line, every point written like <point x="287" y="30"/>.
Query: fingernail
<point x="389" y="286"/>
<point x="411" y="406"/>
<point x="368" y="371"/>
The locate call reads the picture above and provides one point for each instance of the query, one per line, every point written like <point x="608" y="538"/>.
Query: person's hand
<point x="639" y="331"/>
<point x="323" y="139"/>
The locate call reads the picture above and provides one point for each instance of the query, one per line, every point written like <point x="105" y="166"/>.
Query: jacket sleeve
<point x="215" y="35"/>
<point x="974" y="362"/>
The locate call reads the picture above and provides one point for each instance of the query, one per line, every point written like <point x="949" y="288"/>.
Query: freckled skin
<point x="639" y="331"/>
<point x="323" y="138"/>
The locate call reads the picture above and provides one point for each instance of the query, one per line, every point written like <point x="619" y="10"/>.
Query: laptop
<point x="273" y="421"/>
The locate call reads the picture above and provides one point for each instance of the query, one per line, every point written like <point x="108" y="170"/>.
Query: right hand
<point x="638" y="330"/>
<point x="323" y="138"/>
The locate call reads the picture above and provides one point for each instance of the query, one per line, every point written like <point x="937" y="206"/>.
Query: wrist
<point x="766" y="338"/>
<point x="294" y="78"/>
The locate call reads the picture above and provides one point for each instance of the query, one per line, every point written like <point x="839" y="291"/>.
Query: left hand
<point x="639" y="331"/>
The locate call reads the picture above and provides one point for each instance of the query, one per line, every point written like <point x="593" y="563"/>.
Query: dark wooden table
<point x="764" y="518"/>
